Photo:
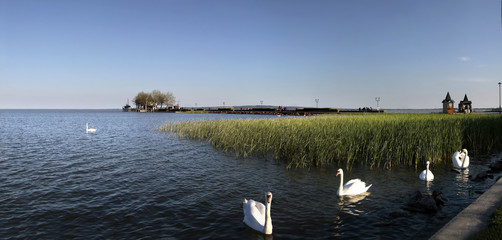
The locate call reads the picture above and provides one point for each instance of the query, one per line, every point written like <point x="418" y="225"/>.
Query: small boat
<point x="127" y="107"/>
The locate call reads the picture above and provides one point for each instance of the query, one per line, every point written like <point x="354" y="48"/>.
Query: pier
<point x="272" y="110"/>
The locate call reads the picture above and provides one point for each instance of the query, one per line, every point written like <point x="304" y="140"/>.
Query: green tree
<point x="155" y="98"/>
<point x="142" y="99"/>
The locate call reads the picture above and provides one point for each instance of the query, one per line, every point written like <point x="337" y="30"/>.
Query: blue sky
<point x="97" y="54"/>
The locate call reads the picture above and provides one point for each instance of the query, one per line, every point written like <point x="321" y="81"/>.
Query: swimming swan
<point x="89" y="130"/>
<point x="257" y="215"/>
<point x="460" y="159"/>
<point x="426" y="175"/>
<point x="352" y="187"/>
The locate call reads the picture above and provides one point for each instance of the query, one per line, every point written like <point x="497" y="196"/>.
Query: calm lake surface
<point x="130" y="181"/>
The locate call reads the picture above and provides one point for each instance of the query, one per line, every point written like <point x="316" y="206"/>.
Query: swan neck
<point x="340" y="189"/>
<point x="268" y="220"/>
<point x="464" y="156"/>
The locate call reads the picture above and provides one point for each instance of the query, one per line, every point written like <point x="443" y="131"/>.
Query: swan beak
<point x="338" y="173"/>
<point x="269" y="198"/>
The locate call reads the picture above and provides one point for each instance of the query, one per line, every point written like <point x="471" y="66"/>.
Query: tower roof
<point x="466" y="100"/>
<point x="448" y="98"/>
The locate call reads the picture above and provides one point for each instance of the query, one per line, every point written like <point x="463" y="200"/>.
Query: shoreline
<point x="473" y="218"/>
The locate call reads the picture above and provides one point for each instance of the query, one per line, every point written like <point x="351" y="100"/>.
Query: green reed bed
<point x="376" y="140"/>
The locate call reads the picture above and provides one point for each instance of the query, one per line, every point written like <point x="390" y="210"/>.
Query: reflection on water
<point x="353" y="199"/>
<point x="463" y="176"/>
<point x="428" y="185"/>
<point x="349" y="203"/>
<point x="129" y="181"/>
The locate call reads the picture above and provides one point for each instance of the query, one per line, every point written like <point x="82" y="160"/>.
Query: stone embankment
<point x="474" y="218"/>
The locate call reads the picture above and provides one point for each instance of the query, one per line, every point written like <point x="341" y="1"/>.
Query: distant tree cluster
<point x="153" y="100"/>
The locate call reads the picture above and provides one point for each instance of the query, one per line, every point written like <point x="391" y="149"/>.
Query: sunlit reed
<point x="374" y="140"/>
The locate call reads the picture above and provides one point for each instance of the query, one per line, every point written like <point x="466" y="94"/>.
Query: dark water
<point x="130" y="181"/>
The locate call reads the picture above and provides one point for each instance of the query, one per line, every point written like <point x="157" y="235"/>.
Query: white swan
<point x="426" y="175"/>
<point x="257" y="215"/>
<point x="352" y="187"/>
<point x="460" y="159"/>
<point x="89" y="130"/>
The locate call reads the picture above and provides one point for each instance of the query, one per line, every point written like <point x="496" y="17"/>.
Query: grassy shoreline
<point x="494" y="229"/>
<point x="383" y="140"/>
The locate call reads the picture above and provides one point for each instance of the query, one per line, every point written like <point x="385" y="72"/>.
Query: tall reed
<point x="375" y="140"/>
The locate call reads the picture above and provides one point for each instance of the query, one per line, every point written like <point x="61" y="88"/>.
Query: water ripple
<point x="129" y="181"/>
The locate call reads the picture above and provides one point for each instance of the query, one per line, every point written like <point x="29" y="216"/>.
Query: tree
<point x="169" y="99"/>
<point x="155" y="98"/>
<point x="137" y="100"/>
<point x="158" y="97"/>
<point x="141" y="100"/>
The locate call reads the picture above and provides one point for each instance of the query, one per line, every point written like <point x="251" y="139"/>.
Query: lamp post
<point x="500" y="109"/>
<point x="317" y="102"/>
<point x="377" y="99"/>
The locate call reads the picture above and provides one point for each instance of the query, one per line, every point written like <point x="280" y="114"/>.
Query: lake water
<point x="130" y="181"/>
